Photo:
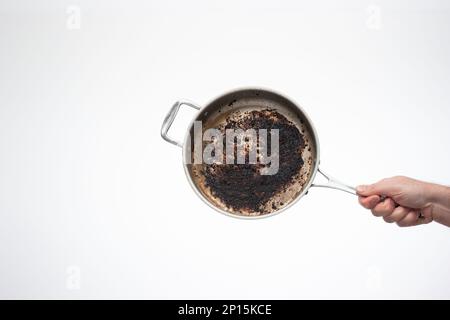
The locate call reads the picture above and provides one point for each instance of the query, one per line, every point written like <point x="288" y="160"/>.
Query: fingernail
<point x="361" y="188"/>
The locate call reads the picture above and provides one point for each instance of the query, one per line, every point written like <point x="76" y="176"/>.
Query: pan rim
<point x="316" y="161"/>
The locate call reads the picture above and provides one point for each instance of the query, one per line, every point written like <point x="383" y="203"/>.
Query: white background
<point x="94" y="204"/>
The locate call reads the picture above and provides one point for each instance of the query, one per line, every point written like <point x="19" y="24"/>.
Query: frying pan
<point x="249" y="99"/>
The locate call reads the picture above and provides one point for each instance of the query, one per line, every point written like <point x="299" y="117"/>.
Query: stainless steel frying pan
<point x="246" y="99"/>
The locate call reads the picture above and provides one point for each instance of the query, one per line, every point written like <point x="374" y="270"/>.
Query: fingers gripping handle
<point x="333" y="183"/>
<point x="170" y="117"/>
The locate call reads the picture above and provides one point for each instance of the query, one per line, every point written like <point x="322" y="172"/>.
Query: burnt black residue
<point x="241" y="186"/>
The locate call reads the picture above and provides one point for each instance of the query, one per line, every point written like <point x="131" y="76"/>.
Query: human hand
<point x="406" y="201"/>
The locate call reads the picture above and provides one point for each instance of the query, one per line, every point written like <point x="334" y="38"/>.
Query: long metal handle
<point x="334" y="184"/>
<point x="170" y="117"/>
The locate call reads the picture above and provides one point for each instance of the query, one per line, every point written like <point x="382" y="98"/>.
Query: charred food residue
<point x="241" y="187"/>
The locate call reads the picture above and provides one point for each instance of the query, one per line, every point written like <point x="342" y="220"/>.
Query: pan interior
<point x="281" y="191"/>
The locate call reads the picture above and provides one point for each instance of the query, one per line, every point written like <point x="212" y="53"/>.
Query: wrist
<point x="438" y="194"/>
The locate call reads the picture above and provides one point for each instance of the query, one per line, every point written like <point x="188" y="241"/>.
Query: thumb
<point x="378" y="188"/>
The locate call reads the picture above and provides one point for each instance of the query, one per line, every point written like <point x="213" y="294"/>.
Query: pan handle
<point x="338" y="185"/>
<point x="333" y="183"/>
<point x="170" y="117"/>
